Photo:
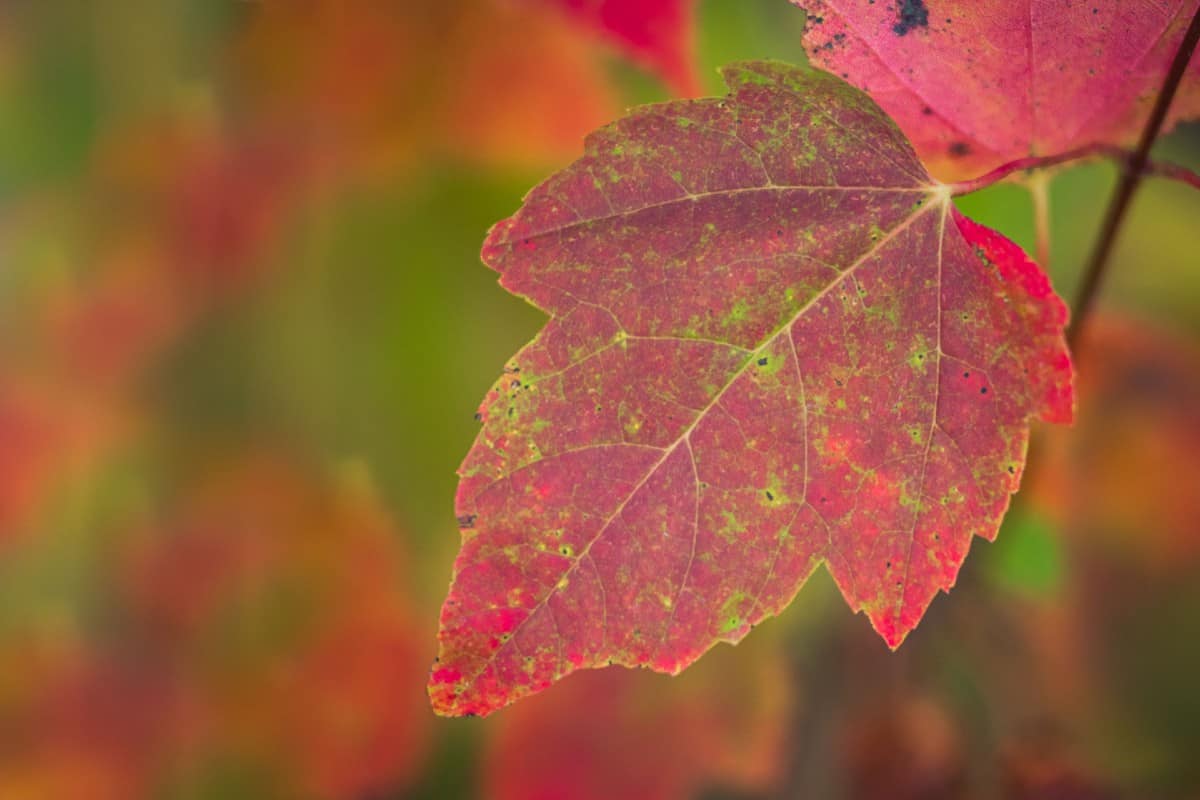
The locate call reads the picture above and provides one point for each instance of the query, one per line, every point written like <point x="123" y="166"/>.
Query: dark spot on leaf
<point x="466" y="521"/>
<point x="1012" y="471"/>
<point x="966" y="374"/>
<point x="478" y="417"/>
<point x="770" y="496"/>
<point x="913" y="14"/>
<point x="927" y="111"/>
<point x="959" y="149"/>
<point x="762" y="362"/>
<point x="983" y="390"/>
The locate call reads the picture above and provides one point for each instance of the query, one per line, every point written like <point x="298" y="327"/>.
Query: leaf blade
<point x="641" y="488"/>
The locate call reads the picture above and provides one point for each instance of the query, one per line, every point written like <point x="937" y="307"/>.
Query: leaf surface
<point x="977" y="84"/>
<point x="773" y="344"/>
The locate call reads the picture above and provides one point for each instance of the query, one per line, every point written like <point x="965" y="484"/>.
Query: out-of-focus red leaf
<point x="905" y="749"/>
<point x="79" y="725"/>
<point x="656" y="33"/>
<point x="551" y="94"/>
<point x="31" y="439"/>
<point x="613" y="734"/>
<point x="1038" y="768"/>
<point x="354" y="80"/>
<point x="47" y="435"/>
<point x="100" y="337"/>
<point x="977" y="84"/>
<point x="227" y="210"/>
<point x="328" y="696"/>
<point x="264" y="623"/>
<point x="212" y="202"/>
<point x="774" y="344"/>
<point x="1126" y="475"/>
<point x="188" y="221"/>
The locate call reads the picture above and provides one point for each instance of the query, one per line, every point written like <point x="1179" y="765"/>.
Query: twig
<point x="1175" y="172"/>
<point x="1097" y="265"/>
<point x="1122" y="156"/>
<point x="1039" y="192"/>
<point x="1033" y="162"/>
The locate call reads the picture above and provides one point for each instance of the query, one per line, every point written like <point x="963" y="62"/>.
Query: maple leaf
<point x="1055" y="76"/>
<point x="774" y="344"/>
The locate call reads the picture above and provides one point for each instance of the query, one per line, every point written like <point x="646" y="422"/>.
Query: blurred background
<point x="244" y="329"/>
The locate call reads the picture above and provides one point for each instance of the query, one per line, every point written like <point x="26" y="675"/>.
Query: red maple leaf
<point x="774" y="344"/>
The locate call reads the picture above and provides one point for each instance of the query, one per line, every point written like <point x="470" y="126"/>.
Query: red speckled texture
<point x="977" y="84"/>
<point x="773" y="344"/>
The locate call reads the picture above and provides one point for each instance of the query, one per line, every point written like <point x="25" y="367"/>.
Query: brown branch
<point x="1097" y="265"/>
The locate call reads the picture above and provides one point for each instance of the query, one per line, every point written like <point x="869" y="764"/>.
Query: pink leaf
<point x="978" y="84"/>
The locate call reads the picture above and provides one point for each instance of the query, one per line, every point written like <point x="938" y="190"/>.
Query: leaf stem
<point x="1175" y="172"/>
<point x="1033" y="162"/>
<point x="1097" y="265"/>
<point x="1124" y="157"/>
<point x="1039" y="192"/>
